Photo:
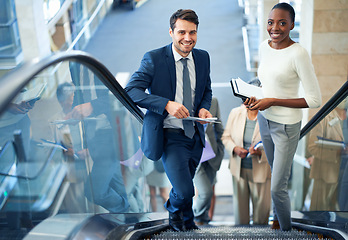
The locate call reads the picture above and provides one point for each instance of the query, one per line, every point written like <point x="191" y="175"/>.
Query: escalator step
<point x="231" y="233"/>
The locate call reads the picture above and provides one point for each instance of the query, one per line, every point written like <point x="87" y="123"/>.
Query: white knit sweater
<point x="280" y="73"/>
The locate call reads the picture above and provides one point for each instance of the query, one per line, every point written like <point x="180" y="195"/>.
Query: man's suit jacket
<point x="233" y="136"/>
<point x="157" y="74"/>
<point x="214" y="132"/>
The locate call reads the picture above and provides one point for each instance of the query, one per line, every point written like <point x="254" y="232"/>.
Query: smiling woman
<point x="284" y="64"/>
<point x="280" y="23"/>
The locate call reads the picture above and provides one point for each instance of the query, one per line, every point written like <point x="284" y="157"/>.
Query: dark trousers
<point x="180" y="158"/>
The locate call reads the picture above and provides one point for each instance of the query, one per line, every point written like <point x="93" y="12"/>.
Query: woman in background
<point x="251" y="174"/>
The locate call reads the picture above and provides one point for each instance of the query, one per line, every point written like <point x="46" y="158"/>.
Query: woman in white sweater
<point x="284" y="64"/>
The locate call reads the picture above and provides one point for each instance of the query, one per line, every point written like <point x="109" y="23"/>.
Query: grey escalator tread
<point x="231" y="233"/>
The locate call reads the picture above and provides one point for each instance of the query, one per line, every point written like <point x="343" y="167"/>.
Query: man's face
<point x="67" y="104"/>
<point x="184" y="36"/>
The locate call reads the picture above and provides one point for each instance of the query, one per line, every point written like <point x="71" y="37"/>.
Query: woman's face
<point x="279" y="25"/>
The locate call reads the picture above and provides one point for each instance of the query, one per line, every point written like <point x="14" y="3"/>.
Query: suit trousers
<point x="181" y="157"/>
<point x="204" y="181"/>
<point x="280" y="143"/>
<point x="244" y="190"/>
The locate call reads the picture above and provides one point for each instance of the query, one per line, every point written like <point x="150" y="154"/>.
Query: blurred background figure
<point x="251" y="173"/>
<point x="96" y="111"/>
<point x="157" y="179"/>
<point x="69" y="136"/>
<point x="134" y="179"/>
<point x="15" y="127"/>
<point x="326" y="145"/>
<point x="205" y="178"/>
<point x="343" y="193"/>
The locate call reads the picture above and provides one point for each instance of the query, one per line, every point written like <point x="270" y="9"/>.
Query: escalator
<point x="68" y="168"/>
<point x="71" y="165"/>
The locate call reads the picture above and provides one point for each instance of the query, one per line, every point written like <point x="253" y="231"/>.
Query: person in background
<point x="326" y="159"/>
<point x="343" y="194"/>
<point x="251" y="173"/>
<point x="68" y="136"/>
<point x="177" y="77"/>
<point x="205" y="177"/>
<point x="93" y="107"/>
<point x="157" y="179"/>
<point x="15" y="121"/>
<point x="284" y="64"/>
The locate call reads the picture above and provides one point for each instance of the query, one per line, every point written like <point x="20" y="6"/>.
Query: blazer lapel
<point x="198" y="89"/>
<point x="171" y="67"/>
<point x="241" y="127"/>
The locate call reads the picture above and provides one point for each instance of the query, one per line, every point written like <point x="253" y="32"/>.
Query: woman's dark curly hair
<point x="286" y="7"/>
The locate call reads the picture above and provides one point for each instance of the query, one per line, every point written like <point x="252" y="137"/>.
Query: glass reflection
<point x="320" y="177"/>
<point x="328" y="154"/>
<point x="68" y="145"/>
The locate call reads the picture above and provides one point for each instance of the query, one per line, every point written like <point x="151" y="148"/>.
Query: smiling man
<point x="177" y="77"/>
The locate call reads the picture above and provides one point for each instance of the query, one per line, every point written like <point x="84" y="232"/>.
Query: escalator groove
<point x="236" y="233"/>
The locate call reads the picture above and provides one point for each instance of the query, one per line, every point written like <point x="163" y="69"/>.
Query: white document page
<point x="246" y="90"/>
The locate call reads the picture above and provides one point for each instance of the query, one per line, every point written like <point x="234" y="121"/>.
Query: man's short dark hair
<point x="184" y="14"/>
<point x="286" y="7"/>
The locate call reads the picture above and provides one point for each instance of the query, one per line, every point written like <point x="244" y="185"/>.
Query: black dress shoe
<point x="176" y="222"/>
<point x="275" y="225"/>
<point x="190" y="225"/>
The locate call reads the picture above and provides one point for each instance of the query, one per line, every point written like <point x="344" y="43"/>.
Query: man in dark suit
<point x="165" y="134"/>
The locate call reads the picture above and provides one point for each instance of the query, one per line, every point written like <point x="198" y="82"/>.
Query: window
<point x="9" y="35"/>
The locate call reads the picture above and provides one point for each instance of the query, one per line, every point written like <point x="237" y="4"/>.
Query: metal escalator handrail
<point x="12" y="82"/>
<point x="326" y="109"/>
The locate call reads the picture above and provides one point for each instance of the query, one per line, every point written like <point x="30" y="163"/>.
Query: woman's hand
<point x="241" y="152"/>
<point x="310" y="160"/>
<point x="264" y="103"/>
<point x="253" y="151"/>
<point x="261" y="104"/>
<point x="249" y="101"/>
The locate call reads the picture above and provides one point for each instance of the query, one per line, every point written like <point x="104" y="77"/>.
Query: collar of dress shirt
<point x="178" y="57"/>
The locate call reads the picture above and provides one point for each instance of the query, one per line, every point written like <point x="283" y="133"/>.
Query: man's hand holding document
<point x="208" y="120"/>
<point x="244" y="90"/>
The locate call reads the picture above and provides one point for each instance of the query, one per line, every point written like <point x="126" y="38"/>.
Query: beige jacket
<point x="327" y="159"/>
<point x="233" y="136"/>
